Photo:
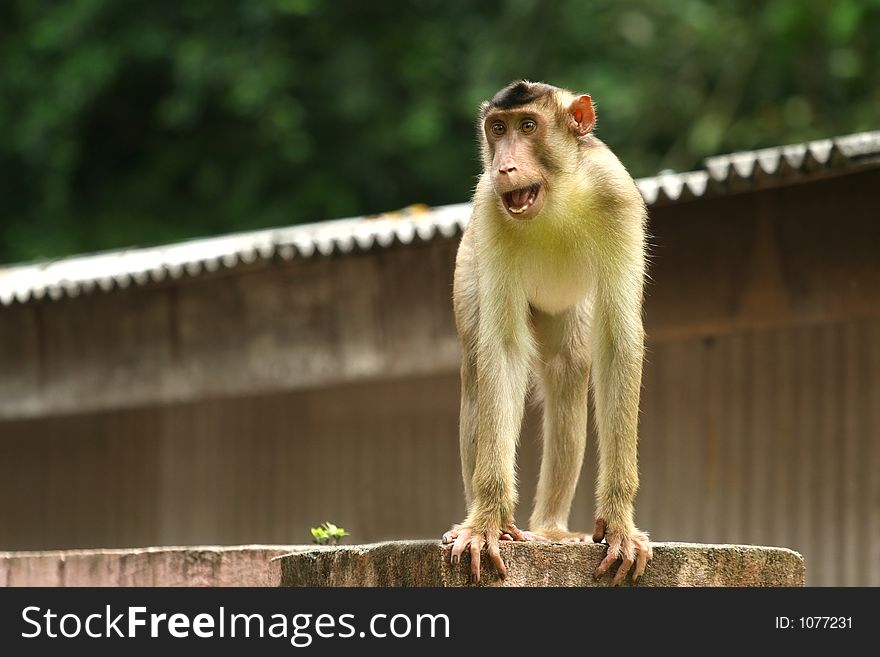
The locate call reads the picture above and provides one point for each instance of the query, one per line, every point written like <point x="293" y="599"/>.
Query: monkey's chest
<point x="555" y="286"/>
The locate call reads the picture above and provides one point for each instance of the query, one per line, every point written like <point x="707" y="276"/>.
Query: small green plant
<point x="328" y="534"/>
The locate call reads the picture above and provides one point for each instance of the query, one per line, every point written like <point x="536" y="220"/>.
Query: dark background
<point x="130" y="123"/>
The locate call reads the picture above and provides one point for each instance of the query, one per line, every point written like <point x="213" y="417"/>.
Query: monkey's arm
<point x="618" y="349"/>
<point x="503" y="352"/>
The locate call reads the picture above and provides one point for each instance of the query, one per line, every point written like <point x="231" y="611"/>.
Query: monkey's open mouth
<point x="520" y="200"/>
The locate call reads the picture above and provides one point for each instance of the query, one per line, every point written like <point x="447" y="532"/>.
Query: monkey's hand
<point x="509" y="532"/>
<point x="462" y="537"/>
<point x="628" y="544"/>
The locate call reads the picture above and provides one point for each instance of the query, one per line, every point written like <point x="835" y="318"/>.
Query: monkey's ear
<point x="582" y="114"/>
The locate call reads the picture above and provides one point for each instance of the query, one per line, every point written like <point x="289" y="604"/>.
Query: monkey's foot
<point x="632" y="547"/>
<point x="556" y="536"/>
<point x="467" y="538"/>
<point x="511" y="532"/>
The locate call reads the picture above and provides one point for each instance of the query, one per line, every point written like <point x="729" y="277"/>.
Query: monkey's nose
<point x="506" y="169"/>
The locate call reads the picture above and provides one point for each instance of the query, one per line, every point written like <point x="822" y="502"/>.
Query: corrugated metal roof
<point x="120" y="269"/>
<point x="767" y="167"/>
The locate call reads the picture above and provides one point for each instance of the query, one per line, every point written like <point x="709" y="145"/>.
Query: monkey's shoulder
<point x="610" y="183"/>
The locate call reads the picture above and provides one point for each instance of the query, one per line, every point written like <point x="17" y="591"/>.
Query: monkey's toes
<point x="510" y="532"/>
<point x="556" y="536"/>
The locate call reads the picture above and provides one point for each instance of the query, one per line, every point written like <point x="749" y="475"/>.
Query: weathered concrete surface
<point x="397" y="563"/>
<point x="246" y="565"/>
<point x="426" y="563"/>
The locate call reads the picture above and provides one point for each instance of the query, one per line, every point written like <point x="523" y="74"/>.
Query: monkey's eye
<point x="497" y="128"/>
<point x="528" y="126"/>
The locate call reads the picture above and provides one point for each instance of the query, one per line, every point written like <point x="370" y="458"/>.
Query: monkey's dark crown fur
<point x="519" y="93"/>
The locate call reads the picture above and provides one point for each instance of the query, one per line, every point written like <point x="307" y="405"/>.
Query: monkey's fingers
<point x="449" y="536"/>
<point x="616" y="550"/>
<point x="461" y="542"/>
<point x="606" y="563"/>
<point x="620" y="575"/>
<point x="641" y="564"/>
<point x="631" y="549"/>
<point x="476" y="546"/>
<point x="495" y="555"/>
<point x="645" y="553"/>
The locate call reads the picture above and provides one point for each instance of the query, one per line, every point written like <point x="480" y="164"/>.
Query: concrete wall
<point x="398" y="563"/>
<point x="245" y="565"/>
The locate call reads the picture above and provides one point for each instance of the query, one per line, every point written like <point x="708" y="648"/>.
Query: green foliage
<point x="137" y="123"/>
<point x="328" y="533"/>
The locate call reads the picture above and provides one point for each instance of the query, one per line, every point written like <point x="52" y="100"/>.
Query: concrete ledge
<point x="426" y="563"/>
<point x="397" y="563"/>
<point x="246" y="565"/>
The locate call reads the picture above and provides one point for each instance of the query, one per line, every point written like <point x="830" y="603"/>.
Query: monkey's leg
<point x="564" y="368"/>
<point x="618" y="350"/>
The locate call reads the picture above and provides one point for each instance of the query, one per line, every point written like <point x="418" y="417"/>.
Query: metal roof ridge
<point x="722" y="174"/>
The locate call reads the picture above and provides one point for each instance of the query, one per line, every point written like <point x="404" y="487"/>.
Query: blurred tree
<point x="139" y="123"/>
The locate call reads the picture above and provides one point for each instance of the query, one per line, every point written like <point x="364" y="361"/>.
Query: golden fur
<point x="558" y="295"/>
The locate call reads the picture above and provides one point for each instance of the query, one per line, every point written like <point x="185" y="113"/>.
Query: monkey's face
<point x="516" y="141"/>
<point x="531" y="138"/>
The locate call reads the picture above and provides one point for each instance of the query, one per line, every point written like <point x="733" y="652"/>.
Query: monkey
<point x="549" y="278"/>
